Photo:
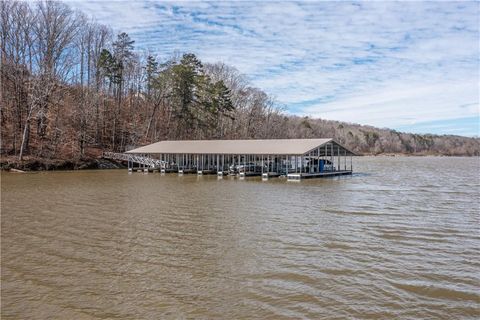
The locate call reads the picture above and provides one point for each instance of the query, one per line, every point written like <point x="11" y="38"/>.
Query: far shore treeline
<point x="71" y="88"/>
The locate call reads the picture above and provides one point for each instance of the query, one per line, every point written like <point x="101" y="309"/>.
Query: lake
<point x="399" y="238"/>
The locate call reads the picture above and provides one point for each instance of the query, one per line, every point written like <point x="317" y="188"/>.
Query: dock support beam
<point x="338" y="153"/>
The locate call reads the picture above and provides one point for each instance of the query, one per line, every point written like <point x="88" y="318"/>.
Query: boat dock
<point x="295" y="159"/>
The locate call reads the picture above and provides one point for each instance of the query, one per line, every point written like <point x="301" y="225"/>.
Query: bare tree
<point x="65" y="76"/>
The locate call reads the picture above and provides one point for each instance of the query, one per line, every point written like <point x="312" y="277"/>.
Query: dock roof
<point x="259" y="147"/>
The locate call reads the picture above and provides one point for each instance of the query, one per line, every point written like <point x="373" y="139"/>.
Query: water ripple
<point x="399" y="239"/>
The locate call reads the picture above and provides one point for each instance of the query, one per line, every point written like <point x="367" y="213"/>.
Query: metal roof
<point x="270" y="146"/>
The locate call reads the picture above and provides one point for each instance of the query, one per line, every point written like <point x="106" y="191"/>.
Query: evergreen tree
<point x="109" y="66"/>
<point x="188" y="80"/>
<point x="152" y="70"/>
<point x="122" y="53"/>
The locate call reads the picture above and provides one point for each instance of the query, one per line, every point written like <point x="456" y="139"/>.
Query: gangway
<point x="144" y="161"/>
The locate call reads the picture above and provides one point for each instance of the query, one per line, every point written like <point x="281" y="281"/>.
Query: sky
<point x="409" y="66"/>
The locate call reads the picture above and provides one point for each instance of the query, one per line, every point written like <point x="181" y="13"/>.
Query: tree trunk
<point x="151" y="120"/>
<point x="25" y="138"/>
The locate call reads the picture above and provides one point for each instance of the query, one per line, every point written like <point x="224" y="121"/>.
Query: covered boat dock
<point x="295" y="159"/>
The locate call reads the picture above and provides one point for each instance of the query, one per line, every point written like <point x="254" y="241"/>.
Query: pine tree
<point x="152" y="70"/>
<point x="123" y="54"/>
<point x="188" y="79"/>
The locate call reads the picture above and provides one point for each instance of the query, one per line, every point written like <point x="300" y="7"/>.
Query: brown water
<point x="399" y="239"/>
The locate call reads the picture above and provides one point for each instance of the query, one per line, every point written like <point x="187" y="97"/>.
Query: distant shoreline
<point x="416" y="155"/>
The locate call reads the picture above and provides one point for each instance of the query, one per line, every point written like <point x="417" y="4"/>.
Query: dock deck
<point x="300" y="176"/>
<point x="267" y="175"/>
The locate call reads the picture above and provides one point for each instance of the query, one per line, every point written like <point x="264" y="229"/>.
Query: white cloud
<point x="405" y="104"/>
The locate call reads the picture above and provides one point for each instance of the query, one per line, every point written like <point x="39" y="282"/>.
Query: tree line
<point x="70" y="85"/>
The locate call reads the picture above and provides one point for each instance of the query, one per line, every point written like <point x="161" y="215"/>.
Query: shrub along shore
<point x="38" y="164"/>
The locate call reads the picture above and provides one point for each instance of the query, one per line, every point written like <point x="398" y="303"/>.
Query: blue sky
<point x="410" y="66"/>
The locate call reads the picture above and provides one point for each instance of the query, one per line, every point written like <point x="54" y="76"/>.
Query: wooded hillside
<point x="69" y="84"/>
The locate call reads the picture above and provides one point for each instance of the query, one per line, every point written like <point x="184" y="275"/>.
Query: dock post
<point x="244" y="164"/>
<point x="268" y="163"/>
<point x="145" y="168"/>
<point x="338" y="153"/>
<point x="262" y="165"/>
<point x="318" y="159"/>
<point x="331" y="155"/>
<point x="286" y="168"/>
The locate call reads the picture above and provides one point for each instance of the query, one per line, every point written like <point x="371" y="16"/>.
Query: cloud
<point x="404" y="62"/>
<point x="469" y="126"/>
<point x="403" y="104"/>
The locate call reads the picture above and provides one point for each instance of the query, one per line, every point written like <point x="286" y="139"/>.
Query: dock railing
<point x="134" y="158"/>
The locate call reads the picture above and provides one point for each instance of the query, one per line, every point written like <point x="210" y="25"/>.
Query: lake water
<point x="399" y="238"/>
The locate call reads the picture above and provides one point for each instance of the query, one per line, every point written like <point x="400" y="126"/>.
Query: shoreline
<point x="30" y="164"/>
<point x="40" y="164"/>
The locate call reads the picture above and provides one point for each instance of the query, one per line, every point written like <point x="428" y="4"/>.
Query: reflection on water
<point x="400" y="239"/>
